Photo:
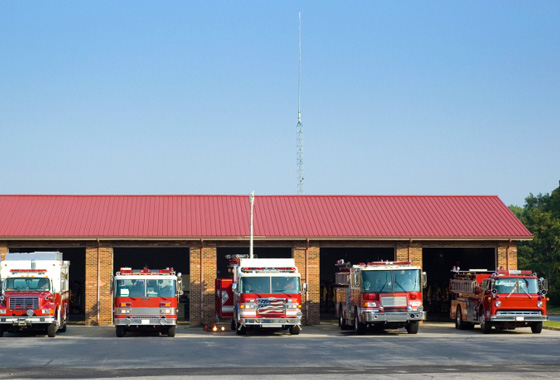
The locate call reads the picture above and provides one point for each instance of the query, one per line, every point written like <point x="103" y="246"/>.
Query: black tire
<point x="51" y="330"/>
<point x="64" y="325"/>
<point x="233" y="325"/>
<point x="536" y="327"/>
<point x="412" y="327"/>
<point x="171" y="330"/>
<point x="341" y="321"/>
<point x="121" y="331"/>
<point x="485" y="326"/>
<point x="241" y="330"/>
<point x="459" y="325"/>
<point x="295" y="330"/>
<point x="359" y="327"/>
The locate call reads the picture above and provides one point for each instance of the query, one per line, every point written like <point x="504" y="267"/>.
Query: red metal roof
<point x="227" y="216"/>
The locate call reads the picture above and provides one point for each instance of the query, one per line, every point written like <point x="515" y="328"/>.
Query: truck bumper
<point x="518" y="317"/>
<point x="392" y="317"/>
<point x="147" y="321"/>
<point x="271" y="322"/>
<point x="25" y="321"/>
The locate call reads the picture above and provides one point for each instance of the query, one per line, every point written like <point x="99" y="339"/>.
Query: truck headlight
<point x="165" y="311"/>
<point x="125" y="311"/>
<point x="498" y="303"/>
<point x="539" y="304"/>
<point x="2" y="311"/>
<point x="47" y="311"/>
<point x="370" y="304"/>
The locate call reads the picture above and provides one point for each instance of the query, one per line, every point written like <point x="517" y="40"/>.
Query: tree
<point x="541" y="215"/>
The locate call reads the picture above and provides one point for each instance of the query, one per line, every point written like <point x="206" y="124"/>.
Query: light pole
<point x="252" y="201"/>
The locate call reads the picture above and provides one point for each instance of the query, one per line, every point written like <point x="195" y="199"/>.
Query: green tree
<point x="541" y="215"/>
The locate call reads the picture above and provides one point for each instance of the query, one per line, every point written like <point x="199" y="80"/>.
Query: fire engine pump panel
<point x="34" y="292"/>
<point x="379" y="295"/>
<point x="146" y="299"/>
<point x="504" y="299"/>
<point x="263" y="293"/>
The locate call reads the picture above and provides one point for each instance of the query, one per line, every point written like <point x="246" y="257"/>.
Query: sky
<point x="201" y="97"/>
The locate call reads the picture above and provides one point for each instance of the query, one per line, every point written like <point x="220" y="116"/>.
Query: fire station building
<point x="194" y="233"/>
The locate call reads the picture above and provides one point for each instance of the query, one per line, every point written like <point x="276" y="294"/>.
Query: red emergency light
<point x="519" y="272"/>
<point x="29" y="270"/>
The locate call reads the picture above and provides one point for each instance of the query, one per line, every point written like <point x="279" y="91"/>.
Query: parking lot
<point x="440" y="349"/>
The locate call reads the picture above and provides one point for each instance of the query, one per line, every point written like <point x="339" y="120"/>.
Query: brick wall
<point x="409" y="251"/>
<point x="311" y="306"/>
<point x="99" y="301"/>
<point x="507" y="255"/>
<point x="3" y="250"/>
<point x="205" y="289"/>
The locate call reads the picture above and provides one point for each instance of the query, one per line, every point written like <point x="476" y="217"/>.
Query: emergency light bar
<point x="125" y="270"/>
<point x="388" y="263"/>
<point x="28" y="270"/>
<point x="521" y="272"/>
<point x="268" y="270"/>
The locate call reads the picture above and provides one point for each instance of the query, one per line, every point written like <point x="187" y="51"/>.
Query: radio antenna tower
<point x="299" y="128"/>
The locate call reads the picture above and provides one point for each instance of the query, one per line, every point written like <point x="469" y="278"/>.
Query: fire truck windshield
<point x="25" y="284"/>
<point x="265" y="284"/>
<point x="145" y="288"/>
<point x="391" y="281"/>
<point x="516" y="285"/>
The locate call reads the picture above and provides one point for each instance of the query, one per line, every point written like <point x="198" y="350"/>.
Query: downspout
<point x="307" y="281"/>
<point x="201" y="283"/>
<point x="409" y="245"/>
<point x="98" y="277"/>
<point x="507" y="254"/>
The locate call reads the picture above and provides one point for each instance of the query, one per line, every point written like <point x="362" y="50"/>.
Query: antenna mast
<point x="299" y="127"/>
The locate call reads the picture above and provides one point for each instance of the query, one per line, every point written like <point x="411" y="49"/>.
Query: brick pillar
<point x="409" y="251"/>
<point x="208" y="284"/>
<point x="3" y="250"/>
<point x="506" y="253"/>
<point x="311" y="306"/>
<point x="99" y="309"/>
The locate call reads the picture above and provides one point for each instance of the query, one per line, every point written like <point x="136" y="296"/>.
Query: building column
<point x="99" y="300"/>
<point x="203" y="258"/>
<point x="409" y="251"/>
<point x="506" y="253"/>
<point x="3" y="250"/>
<point x="311" y="275"/>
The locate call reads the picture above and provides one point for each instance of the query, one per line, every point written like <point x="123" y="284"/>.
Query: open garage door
<point x="158" y="258"/>
<point x="77" y="276"/>
<point x="260" y="252"/>
<point x="329" y="257"/>
<point x="438" y="263"/>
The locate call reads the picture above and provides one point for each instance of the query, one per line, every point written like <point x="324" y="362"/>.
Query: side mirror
<point x="304" y="288"/>
<point x="179" y="285"/>
<point x="234" y="287"/>
<point x="544" y="284"/>
<point x="424" y="279"/>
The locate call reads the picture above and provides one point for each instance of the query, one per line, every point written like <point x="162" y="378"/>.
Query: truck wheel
<point x="341" y="321"/>
<point x="412" y="327"/>
<point x="459" y="324"/>
<point x="120" y="331"/>
<point x="51" y="330"/>
<point x="359" y="327"/>
<point x="536" y="327"/>
<point x="233" y="325"/>
<point x="241" y="330"/>
<point x="171" y="331"/>
<point x="295" y="330"/>
<point x="485" y="326"/>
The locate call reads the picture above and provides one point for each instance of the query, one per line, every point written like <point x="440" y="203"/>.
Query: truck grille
<point x="270" y="306"/>
<point x="393" y="301"/>
<point x="519" y="313"/>
<point x="24" y="303"/>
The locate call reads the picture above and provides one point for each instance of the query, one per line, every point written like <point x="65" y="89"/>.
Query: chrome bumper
<point x="139" y="321"/>
<point x="25" y="321"/>
<point x="401" y="316"/>
<point x="271" y="322"/>
<point x="518" y="317"/>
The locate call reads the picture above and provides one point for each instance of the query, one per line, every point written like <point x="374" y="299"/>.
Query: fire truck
<point x="264" y="293"/>
<point x="34" y="292"/>
<point x="505" y="299"/>
<point x="146" y="299"/>
<point x="380" y="295"/>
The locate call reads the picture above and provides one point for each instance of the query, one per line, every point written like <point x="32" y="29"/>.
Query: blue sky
<point x="200" y="97"/>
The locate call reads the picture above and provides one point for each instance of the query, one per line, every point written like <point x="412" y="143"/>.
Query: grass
<point x="551" y="324"/>
<point x="552" y="309"/>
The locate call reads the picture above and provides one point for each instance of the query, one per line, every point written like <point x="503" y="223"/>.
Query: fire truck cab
<point x="266" y="294"/>
<point x="146" y="299"/>
<point x="35" y="292"/>
<point x="380" y="294"/>
<point x="505" y="299"/>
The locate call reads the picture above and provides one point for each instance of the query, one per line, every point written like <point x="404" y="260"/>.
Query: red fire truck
<point x="264" y="293"/>
<point x="380" y="294"/>
<point x="505" y="299"/>
<point x="146" y="299"/>
<point x="34" y="292"/>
